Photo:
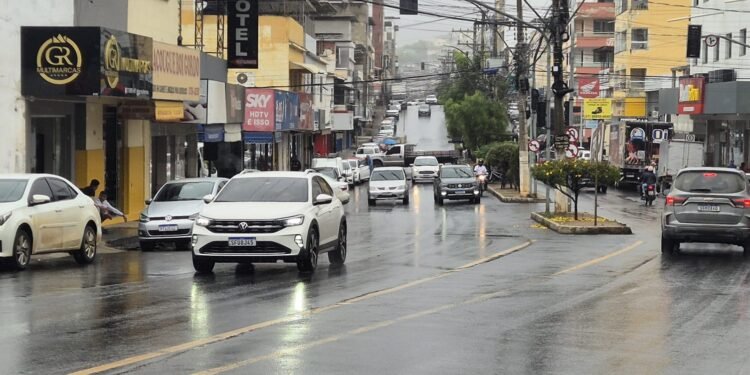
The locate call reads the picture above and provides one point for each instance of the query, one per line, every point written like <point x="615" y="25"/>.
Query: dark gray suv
<point x="707" y="205"/>
<point x="455" y="182"/>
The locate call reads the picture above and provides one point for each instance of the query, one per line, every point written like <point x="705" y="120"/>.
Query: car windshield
<point x="425" y="162"/>
<point x="265" y="189"/>
<point x="424" y="107"/>
<point x="393" y="175"/>
<point x="463" y="172"/>
<point x="710" y="182"/>
<point x="12" y="190"/>
<point x="330" y="172"/>
<point x="184" y="191"/>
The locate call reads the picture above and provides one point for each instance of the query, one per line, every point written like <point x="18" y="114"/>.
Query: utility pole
<point x="475" y="38"/>
<point x="560" y="35"/>
<point x="523" y="140"/>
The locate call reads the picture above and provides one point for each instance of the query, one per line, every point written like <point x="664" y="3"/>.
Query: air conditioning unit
<point x="655" y="114"/>
<point x="242" y="77"/>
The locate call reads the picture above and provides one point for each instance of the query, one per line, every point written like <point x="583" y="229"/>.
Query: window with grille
<point x="639" y="39"/>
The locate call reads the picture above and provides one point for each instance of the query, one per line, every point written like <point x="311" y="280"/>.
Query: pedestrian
<point x="369" y="162"/>
<point x="91" y="189"/>
<point x="106" y="210"/>
<point x="743" y="167"/>
<point x="731" y="164"/>
<point x="295" y="164"/>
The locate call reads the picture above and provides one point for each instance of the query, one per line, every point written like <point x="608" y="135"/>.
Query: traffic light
<point x="694" y="41"/>
<point x="567" y="113"/>
<point x="409" y="7"/>
<point x="541" y="114"/>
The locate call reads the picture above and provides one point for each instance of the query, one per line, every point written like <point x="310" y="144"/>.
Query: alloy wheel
<point x="23" y="249"/>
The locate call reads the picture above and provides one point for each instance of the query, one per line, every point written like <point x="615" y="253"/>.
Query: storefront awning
<point x="211" y="133"/>
<point x="300" y="66"/>
<point x="258" y="137"/>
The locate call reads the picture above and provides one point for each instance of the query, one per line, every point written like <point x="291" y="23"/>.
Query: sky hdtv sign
<point x="260" y="110"/>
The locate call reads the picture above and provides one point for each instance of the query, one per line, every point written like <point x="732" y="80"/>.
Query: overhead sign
<point x="588" y="87"/>
<point x="690" y="99"/>
<point x="243" y="34"/>
<point x="127" y="67"/>
<point x="177" y="72"/>
<point x="597" y="109"/>
<point x="260" y="110"/>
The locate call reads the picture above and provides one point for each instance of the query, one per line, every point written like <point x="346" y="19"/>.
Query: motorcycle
<point x="649" y="194"/>
<point x="482" y="183"/>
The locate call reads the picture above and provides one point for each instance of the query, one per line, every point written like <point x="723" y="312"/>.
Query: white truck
<point x="674" y="155"/>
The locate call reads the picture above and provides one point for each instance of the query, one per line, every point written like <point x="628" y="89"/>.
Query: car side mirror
<point x="148" y="201"/>
<point x="341" y="178"/>
<point x="322" y="199"/>
<point x="208" y="198"/>
<point x="38" y="199"/>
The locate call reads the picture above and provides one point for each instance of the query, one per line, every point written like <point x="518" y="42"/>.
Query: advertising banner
<point x="59" y="61"/>
<point x="242" y="47"/>
<point x="195" y="112"/>
<point x="306" y="112"/>
<point x="177" y="72"/>
<point x="260" y="110"/>
<point x="597" y="109"/>
<point x="287" y="111"/>
<point x="690" y="100"/>
<point x="235" y="100"/>
<point x="588" y="87"/>
<point x="280" y="109"/>
<point x="126" y="63"/>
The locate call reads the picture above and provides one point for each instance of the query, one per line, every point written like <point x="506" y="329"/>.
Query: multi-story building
<point x="390" y="59"/>
<point x="650" y="40"/>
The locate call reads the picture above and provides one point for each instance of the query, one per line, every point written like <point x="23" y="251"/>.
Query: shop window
<point x="604" y="26"/>
<point x="640" y="4"/>
<point x="639" y="39"/>
<point x="622" y="6"/>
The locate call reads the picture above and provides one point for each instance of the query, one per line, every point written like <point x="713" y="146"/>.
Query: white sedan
<point x="361" y="170"/>
<point x="425" y="168"/>
<point x="42" y="214"/>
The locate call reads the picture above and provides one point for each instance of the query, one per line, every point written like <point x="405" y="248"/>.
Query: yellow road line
<point x="287" y="319"/>
<point x="600" y="259"/>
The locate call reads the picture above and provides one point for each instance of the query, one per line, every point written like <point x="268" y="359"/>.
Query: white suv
<point x="269" y="217"/>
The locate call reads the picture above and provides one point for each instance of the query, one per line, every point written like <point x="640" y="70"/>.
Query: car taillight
<point x="671" y="201"/>
<point x="651" y="187"/>
<point x="744" y="203"/>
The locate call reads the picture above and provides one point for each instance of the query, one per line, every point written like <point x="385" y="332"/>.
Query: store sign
<point x="136" y="110"/>
<point x="243" y="34"/>
<point x="127" y="68"/>
<point x="588" y="87"/>
<point x="690" y="99"/>
<point x="260" y="110"/>
<point x="597" y="109"/>
<point x="196" y="112"/>
<point x="306" y="112"/>
<point x="177" y="72"/>
<point x="59" y="61"/>
<point x="168" y="111"/>
<point x="287" y="111"/>
<point x="235" y="95"/>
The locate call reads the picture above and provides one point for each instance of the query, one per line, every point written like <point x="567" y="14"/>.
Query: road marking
<point x="287" y="319"/>
<point x="600" y="259"/>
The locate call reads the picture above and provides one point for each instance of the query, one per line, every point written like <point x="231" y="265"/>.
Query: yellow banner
<point x="168" y="111"/>
<point x="597" y="109"/>
<point x="177" y="73"/>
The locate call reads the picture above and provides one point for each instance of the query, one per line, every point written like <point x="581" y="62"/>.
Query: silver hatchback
<point x="707" y="205"/>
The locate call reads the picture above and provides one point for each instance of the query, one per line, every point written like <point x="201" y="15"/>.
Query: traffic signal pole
<point x="523" y="140"/>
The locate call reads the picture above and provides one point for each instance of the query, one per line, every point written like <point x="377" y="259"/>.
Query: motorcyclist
<point x="481" y="170"/>
<point x="648" y="177"/>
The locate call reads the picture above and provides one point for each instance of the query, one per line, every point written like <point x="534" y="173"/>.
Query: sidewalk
<point x="122" y="235"/>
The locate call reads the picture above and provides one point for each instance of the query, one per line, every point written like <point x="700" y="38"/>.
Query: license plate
<point x="244" y="241"/>
<point x="651" y="193"/>
<point x="709" y="208"/>
<point x="460" y="191"/>
<point x="168" y="228"/>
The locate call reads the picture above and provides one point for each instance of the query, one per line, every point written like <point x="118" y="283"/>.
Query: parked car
<point x="292" y="217"/>
<point x="42" y="214"/>
<point x="336" y="162"/>
<point x="431" y="99"/>
<point x="387" y="131"/>
<point x="388" y="183"/>
<point x="168" y="218"/>
<point x="424" y="110"/>
<point x="393" y="112"/>
<point x="361" y="170"/>
<point x="337" y="181"/>
<point x="707" y="205"/>
<point x="456" y="182"/>
<point x="425" y="168"/>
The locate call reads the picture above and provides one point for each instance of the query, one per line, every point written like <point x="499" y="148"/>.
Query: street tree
<point x="569" y="176"/>
<point x="475" y="119"/>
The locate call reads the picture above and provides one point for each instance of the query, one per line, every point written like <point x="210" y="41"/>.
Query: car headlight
<point x="144" y="218"/>
<point x="203" y="221"/>
<point x="293" y="221"/>
<point x="4" y="217"/>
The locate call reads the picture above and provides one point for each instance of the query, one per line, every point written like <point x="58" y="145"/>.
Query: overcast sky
<point x="427" y="27"/>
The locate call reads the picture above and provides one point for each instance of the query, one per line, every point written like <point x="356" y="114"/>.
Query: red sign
<point x="306" y="112"/>
<point x="588" y="87"/>
<point x="259" y="110"/>
<point x="690" y="100"/>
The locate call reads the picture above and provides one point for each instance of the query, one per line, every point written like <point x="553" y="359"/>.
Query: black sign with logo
<point x="126" y="63"/>
<point x="243" y="34"/>
<point x="59" y="61"/>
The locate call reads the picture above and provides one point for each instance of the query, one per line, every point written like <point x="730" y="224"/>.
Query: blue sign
<point x="211" y="133"/>
<point x="258" y="137"/>
<point x="287" y="111"/>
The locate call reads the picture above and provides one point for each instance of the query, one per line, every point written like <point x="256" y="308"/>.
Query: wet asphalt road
<point x="454" y="289"/>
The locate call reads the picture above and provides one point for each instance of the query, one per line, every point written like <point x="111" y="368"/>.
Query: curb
<point x="570" y="229"/>
<point x="505" y="199"/>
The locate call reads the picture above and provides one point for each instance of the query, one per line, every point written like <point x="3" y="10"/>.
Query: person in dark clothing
<point x="91" y="189"/>
<point x="295" y="164"/>
<point x="648" y="177"/>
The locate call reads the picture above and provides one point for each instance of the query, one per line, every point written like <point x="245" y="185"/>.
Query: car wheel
<point x="440" y="201"/>
<point x="338" y="256"/>
<point x="87" y="253"/>
<point x="308" y="259"/>
<point x="667" y="245"/>
<point x="22" y="250"/>
<point x="147" y="245"/>
<point x="406" y="199"/>
<point x="377" y="163"/>
<point x="203" y="264"/>
<point x="477" y="200"/>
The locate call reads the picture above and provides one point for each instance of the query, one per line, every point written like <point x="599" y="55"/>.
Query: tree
<point x="502" y="157"/>
<point x="475" y="119"/>
<point x="569" y="176"/>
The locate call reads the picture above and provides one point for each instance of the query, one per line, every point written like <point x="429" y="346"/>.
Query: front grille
<point x="460" y="186"/>
<point x="158" y="218"/>
<point x="252" y="226"/>
<point x="261" y="247"/>
<point x="172" y="233"/>
<point x="426" y="172"/>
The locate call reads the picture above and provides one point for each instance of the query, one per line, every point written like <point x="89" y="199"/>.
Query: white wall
<point x="14" y="125"/>
<point x="726" y="22"/>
